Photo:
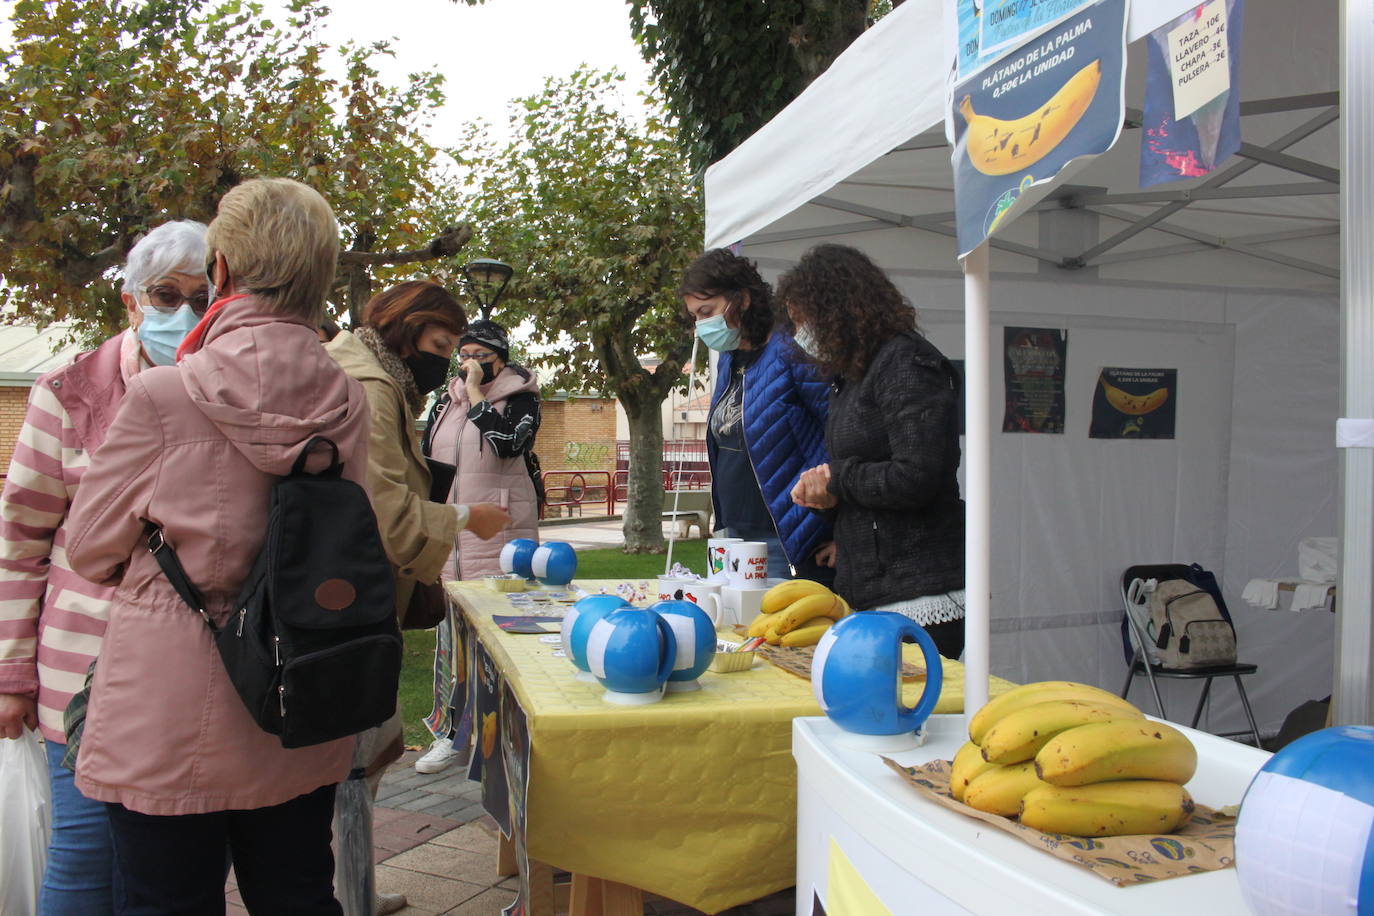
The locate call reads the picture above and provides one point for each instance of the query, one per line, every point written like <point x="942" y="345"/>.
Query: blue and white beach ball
<point x="577" y="624"/>
<point x="696" y="642"/>
<point x="1304" y="840"/>
<point x="516" y="556"/>
<point x="554" y="564"/>
<point x="856" y="674"/>
<point x="631" y="652"/>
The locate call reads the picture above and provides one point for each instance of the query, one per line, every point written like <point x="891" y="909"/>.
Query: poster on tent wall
<point x="1035" y="116"/>
<point x="1192" y="116"/>
<point x="1135" y="404"/>
<point x="1033" y="362"/>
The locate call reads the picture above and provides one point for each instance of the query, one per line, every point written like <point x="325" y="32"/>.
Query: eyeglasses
<point x="167" y="299"/>
<point x="480" y="357"/>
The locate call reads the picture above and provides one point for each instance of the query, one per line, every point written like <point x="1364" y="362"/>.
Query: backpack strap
<point x="335" y="468"/>
<point x="171" y="566"/>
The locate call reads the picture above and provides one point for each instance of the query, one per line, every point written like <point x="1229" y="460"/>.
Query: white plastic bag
<point x="25" y="820"/>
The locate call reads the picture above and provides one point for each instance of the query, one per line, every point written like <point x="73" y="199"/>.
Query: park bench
<point x="693" y="508"/>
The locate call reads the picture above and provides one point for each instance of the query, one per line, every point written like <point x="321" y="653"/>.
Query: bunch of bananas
<point x="797" y="612"/>
<point x="1074" y="759"/>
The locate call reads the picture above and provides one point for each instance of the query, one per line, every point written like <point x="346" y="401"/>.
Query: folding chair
<point x="1140" y="663"/>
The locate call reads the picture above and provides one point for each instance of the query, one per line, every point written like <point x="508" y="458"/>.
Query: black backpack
<point x="314" y="649"/>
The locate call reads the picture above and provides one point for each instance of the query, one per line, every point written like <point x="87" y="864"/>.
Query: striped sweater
<point x="52" y="620"/>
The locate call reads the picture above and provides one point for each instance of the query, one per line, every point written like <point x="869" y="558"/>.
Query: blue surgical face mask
<point x="161" y="333"/>
<point x="716" y="334"/>
<point x="806" y="343"/>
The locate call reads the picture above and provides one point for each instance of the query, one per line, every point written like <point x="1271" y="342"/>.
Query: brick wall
<point x="577" y="434"/>
<point x="13" y="402"/>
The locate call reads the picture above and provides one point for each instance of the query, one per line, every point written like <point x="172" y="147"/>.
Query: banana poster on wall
<point x="1036" y="115"/>
<point x="1135" y="404"/>
<point x="1033" y="364"/>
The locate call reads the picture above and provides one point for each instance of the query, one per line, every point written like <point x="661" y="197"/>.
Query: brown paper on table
<point x="1206" y="843"/>
<point x="797" y="659"/>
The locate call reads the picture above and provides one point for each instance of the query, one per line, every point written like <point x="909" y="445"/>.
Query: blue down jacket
<point x="785" y="408"/>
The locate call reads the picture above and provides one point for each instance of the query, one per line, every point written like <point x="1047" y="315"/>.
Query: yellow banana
<point x="1000" y="789"/>
<point x="1029" y="695"/>
<point x="1018" y="735"/>
<point x="809" y="633"/>
<point x="998" y="147"/>
<point x="1134" y="404"/>
<point x="759" y="625"/>
<point x="845" y="610"/>
<point x="804" y="609"/>
<point x="1124" y="749"/>
<point x="785" y="593"/>
<point x="1108" y="808"/>
<point x="488" y="734"/>
<point x="968" y="765"/>
<point x="771" y="634"/>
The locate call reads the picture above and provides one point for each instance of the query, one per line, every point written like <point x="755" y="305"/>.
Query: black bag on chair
<point x="314" y="649"/>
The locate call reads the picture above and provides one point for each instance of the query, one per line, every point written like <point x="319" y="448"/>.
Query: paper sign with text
<point x="1043" y="111"/>
<point x="1198" y="53"/>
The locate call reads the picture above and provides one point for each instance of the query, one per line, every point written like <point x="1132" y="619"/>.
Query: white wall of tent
<point x="1235" y="280"/>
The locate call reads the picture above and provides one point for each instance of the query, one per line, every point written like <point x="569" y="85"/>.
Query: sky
<point x="490" y="54"/>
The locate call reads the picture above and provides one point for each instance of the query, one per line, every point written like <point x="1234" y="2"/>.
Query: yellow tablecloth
<point x="692" y="798"/>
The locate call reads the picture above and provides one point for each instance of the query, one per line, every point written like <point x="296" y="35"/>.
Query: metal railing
<point x="567" y="492"/>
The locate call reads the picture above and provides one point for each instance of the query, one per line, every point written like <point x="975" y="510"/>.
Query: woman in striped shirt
<point x="52" y="620"/>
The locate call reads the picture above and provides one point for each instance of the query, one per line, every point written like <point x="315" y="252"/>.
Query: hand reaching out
<point x="813" y="489"/>
<point x="487" y="519"/>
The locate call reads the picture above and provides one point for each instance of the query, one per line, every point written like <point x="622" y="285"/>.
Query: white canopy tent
<point x="1234" y="279"/>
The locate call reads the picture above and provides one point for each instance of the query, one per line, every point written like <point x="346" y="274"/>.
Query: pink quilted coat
<point x="485" y="477"/>
<point x="195" y="449"/>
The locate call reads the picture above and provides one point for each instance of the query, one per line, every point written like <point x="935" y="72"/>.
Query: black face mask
<point x="430" y="370"/>
<point x="488" y="373"/>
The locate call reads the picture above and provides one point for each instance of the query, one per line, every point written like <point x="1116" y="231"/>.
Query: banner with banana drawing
<point x="1034" y="116"/>
<point x="1135" y="404"/>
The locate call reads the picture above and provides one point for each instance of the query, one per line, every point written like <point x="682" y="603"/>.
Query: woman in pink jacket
<point x="483" y="427"/>
<point x="51" y="619"/>
<point x="168" y="743"/>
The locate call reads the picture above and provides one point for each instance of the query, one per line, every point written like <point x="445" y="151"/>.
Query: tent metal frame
<point x="1217" y="187"/>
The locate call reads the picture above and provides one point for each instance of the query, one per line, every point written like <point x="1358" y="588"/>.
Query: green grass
<point x="417" y="678"/>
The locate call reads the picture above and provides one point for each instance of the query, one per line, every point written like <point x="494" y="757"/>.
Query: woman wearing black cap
<point x="484" y="426"/>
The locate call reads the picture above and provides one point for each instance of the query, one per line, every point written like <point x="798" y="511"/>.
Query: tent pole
<point x="1351" y="701"/>
<point x="977" y="481"/>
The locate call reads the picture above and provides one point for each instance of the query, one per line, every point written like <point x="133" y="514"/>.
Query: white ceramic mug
<point x="740" y="605"/>
<point x="746" y="564"/>
<point x="717" y="550"/>
<point x="704" y="594"/>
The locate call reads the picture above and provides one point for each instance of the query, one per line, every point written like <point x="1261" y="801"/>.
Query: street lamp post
<point x="487" y="279"/>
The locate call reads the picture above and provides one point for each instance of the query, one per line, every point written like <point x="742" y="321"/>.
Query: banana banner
<point x="1029" y="119"/>
<point x="1135" y="404"/>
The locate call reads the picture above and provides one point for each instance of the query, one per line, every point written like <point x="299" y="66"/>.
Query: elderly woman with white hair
<point x="52" y="620"/>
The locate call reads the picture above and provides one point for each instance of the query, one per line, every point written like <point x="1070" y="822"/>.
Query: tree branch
<point x="21" y="207"/>
<point x="78" y="270"/>
<point x="446" y="244"/>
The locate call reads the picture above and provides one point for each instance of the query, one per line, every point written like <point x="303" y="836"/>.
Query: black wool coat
<point x="893" y="438"/>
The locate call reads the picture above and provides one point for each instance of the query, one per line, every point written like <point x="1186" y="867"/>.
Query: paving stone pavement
<point x="433" y="843"/>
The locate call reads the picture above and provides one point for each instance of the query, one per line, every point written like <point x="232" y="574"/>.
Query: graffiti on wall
<point x="587" y="454"/>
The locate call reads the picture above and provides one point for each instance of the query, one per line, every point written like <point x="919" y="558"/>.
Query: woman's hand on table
<point x="486" y="520"/>
<point x="813" y="489"/>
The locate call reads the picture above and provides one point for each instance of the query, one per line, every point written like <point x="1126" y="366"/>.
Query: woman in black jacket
<point x="893" y="438"/>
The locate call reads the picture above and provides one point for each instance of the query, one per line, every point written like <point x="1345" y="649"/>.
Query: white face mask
<point x="806" y="343"/>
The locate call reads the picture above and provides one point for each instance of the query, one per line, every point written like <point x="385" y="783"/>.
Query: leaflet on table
<point x="1191" y="121"/>
<point x="518" y="624"/>
<point x="1035" y="116"/>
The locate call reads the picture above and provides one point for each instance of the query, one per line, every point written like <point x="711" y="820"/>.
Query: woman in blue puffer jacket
<point x="767" y="418"/>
